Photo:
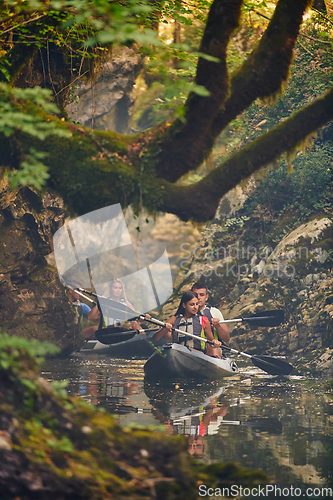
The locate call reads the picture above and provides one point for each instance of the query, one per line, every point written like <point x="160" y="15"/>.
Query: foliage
<point x="20" y="110"/>
<point x="19" y="357"/>
<point x="328" y="386"/>
<point x="11" y="349"/>
<point x="310" y="76"/>
<point x="205" y="94"/>
<point x="301" y="186"/>
<point x="236" y="221"/>
<point x="83" y="453"/>
<point x="97" y="22"/>
<point x="170" y="72"/>
<point x="83" y="30"/>
<point x="306" y="190"/>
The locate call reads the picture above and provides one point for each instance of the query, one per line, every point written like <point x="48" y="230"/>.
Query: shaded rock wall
<point x="296" y="276"/>
<point x="32" y="300"/>
<point x="107" y="103"/>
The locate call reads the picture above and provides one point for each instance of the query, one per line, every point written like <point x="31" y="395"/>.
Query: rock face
<point x="107" y="103"/>
<point x="32" y="300"/>
<point x="295" y="276"/>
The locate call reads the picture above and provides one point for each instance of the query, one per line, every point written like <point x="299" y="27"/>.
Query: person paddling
<point x="187" y="319"/>
<point x="116" y="292"/>
<point x="84" y="312"/>
<point x="214" y="315"/>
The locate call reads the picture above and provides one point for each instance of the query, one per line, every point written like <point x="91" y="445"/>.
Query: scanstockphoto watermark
<point x="237" y="261"/>
<point x="270" y="490"/>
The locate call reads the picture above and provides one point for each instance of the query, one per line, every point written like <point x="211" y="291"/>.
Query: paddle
<point x="117" y="336"/>
<point x="273" y="366"/>
<point x="273" y="317"/>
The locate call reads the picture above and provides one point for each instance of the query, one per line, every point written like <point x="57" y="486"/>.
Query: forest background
<point x="217" y="99"/>
<point x="213" y="106"/>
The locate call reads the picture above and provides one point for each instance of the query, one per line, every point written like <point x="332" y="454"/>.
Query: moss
<point x="70" y="448"/>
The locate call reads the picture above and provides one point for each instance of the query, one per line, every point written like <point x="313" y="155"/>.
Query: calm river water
<point x="282" y="426"/>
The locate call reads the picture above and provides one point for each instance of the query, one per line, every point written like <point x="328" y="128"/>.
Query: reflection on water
<point x="282" y="426"/>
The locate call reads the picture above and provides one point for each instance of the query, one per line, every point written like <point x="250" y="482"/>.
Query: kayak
<point x="141" y="345"/>
<point x="176" y="360"/>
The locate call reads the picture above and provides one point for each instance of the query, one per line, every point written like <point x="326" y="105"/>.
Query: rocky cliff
<point x="107" y="102"/>
<point x="32" y="301"/>
<point x="244" y="276"/>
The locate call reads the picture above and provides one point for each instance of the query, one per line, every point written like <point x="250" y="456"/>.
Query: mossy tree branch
<point x="181" y="148"/>
<point x="261" y="76"/>
<point x="94" y="169"/>
<point x="199" y="201"/>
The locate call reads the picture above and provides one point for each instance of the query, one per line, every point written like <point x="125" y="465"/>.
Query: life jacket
<point x="206" y="312"/>
<point x="197" y="324"/>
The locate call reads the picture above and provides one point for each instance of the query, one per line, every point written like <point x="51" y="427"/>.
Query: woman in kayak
<point x="188" y="320"/>
<point x="116" y="292"/>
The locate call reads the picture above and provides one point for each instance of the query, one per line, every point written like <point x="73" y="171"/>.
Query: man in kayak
<point x="187" y="319"/>
<point x="214" y="315"/>
<point x="84" y="312"/>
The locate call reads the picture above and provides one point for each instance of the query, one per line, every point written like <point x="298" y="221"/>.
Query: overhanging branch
<point x="261" y="75"/>
<point x="199" y="201"/>
<point x="267" y="67"/>
<point x="182" y="147"/>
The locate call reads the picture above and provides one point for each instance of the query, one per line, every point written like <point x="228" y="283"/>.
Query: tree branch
<point x="29" y="12"/>
<point x="93" y="169"/>
<point x="261" y="76"/>
<point x="199" y="201"/>
<point x="266" y="69"/>
<point x="184" y="141"/>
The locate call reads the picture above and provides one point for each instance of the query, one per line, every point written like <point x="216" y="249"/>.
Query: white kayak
<point x="176" y="360"/>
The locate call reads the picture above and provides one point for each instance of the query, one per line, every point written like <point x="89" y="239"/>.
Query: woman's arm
<point x="165" y="331"/>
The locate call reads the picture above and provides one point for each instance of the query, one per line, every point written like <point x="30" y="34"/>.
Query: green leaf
<point x="200" y="90"/>
<point x="207" y="57"/>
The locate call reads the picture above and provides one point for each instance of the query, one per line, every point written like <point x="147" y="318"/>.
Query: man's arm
<point x="93" y="313"/>
<point x="221" y="328"/>
<point x="210" y="336"/>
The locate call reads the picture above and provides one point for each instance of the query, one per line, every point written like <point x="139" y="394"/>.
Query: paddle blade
<point x="114" y="338"/>
<point x="116" y="310"/>
<point x="266" y="318"/>
<point x="273" y="366"/>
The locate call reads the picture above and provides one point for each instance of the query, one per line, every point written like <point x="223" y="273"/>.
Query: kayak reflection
<point x="195" y="412"/>
<point x="199" y="412"/>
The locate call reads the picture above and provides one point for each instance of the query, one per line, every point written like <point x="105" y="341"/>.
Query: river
<point x="283" y="426"/>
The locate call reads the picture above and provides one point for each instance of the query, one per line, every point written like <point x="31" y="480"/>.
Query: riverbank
<point x="55" y="446"/>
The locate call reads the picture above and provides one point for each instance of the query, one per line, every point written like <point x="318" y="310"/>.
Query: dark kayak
<point x="176" y="360"/>
<point x="141" y="345"/>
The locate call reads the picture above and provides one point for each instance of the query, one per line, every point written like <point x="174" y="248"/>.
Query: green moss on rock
<point x="55" y="446"/>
